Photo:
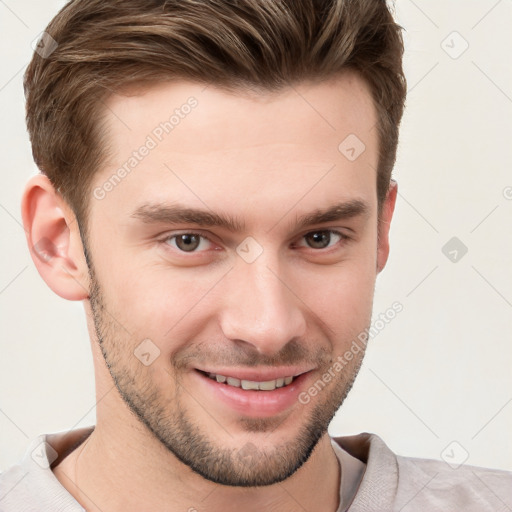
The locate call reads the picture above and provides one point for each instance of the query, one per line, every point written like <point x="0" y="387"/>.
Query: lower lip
<point x="252" y="403"/>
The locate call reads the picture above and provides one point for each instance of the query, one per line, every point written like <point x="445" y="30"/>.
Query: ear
<point x="54" y="239"/>
<point x="388" y="208"/>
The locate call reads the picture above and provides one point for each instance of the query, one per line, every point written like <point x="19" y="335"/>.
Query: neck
<point x="125" y="468"/>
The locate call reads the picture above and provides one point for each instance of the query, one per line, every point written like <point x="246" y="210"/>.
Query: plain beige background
<point x="436" y="381"/>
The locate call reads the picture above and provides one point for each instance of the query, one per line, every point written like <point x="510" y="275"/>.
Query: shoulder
<point x="394" y="482"/>
<point x="15" y="486"/>
<point x="424" y="482"/>
<point x="31" y="485"/>
<point x="9" y="479"/>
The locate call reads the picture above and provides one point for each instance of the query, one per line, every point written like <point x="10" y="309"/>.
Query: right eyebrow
<point x="177" y="214"/>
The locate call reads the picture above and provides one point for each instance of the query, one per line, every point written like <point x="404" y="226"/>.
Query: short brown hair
<point x="103" y="46"/>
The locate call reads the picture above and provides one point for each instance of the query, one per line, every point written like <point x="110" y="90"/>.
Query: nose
<point x="260" y="308"/>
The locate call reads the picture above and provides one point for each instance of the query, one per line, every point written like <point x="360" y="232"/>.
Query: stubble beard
<point x="187" y="440"/>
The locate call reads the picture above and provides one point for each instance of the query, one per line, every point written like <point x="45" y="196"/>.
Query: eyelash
<point x="343" y="239"/>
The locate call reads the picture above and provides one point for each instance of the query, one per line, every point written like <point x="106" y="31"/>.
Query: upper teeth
<point x="268" y="385"/>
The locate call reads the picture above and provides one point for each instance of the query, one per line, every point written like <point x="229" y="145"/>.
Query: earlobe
<point x="384" y="224"/>
<point x="53" y="239"/>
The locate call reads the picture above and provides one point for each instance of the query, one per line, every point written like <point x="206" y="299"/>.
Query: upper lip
<point x="258" y="375"/>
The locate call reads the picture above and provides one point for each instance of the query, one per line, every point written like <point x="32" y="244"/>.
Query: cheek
<point x="340" y="296"/>
<point x="344" y="286"/>
<point x="172" y="305"/>
<point x="157" y="301"/>
<point x="345" y="295"/>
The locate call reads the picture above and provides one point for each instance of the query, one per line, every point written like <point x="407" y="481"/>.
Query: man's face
<point x="212" y="260"/>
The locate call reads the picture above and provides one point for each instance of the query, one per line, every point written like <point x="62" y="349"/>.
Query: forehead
<point x="338" y="104"/>
<point x="208" y="146"/>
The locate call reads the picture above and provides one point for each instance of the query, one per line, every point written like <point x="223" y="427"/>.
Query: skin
<point x="264" y="159"/>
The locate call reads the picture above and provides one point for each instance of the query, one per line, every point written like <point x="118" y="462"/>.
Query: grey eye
<point x="321" y="239"/>
<point x="187" y="242"/>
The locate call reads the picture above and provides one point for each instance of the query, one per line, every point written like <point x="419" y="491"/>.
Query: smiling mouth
<point x="268" y="385"/>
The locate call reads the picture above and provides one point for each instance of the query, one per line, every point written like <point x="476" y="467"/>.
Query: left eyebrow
<point x="174" y="214"/>
<point x="341" y="211"/>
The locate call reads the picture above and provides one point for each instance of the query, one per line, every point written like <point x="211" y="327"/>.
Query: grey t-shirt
<point x="374" y="479"/>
